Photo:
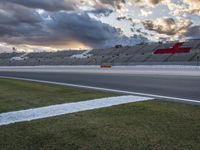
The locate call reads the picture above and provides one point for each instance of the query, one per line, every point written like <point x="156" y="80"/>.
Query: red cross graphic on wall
<point x="175" y="49"/>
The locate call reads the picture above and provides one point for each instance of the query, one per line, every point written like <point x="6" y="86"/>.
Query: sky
<point x="38" y="25"/>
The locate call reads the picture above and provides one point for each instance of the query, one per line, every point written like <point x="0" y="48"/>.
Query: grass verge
<point x="17" y="95"/>
<point x="140" y="126"/>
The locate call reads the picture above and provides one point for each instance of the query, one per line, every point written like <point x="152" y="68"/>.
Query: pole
<point x="197" y="60"/>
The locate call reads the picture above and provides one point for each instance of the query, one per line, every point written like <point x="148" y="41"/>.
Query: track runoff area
<point x="70" y="111"/>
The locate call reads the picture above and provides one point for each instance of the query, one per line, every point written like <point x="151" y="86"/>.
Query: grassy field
<point x="145" y="125"/>
<point x="17" y="95"/>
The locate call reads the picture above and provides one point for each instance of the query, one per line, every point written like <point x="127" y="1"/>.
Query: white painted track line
<point x="61" y="109"/>
<point x="111" y="90"/>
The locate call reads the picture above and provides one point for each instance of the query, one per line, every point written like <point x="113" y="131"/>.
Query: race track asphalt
<point x="186" y="87"/>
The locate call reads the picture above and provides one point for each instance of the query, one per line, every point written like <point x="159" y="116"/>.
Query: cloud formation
<point x="16" y="14"/>
<point x="167" y="26"/>
<point x="50" y="5"/>
<point x="62" y="23"/>
<point x="60" y="28"/>
<point x="21" y="24"/>
<point x="194" y="6"/>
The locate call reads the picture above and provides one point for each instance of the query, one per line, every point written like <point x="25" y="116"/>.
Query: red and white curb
<point x="67" y="108"/>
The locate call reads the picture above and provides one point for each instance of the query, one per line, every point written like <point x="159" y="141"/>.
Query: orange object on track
<point x="106" y="66"/>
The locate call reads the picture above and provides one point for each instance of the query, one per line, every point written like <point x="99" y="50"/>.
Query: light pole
<point x="102" y="57"/>
<point x="113" y="61"/>
<point x="95" y="61"/>
<point x="198" y="60"/>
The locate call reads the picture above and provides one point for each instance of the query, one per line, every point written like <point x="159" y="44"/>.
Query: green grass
<point x="150" y="125"/>
<point x="17" y="95"/>
<point x="146" y="125"/>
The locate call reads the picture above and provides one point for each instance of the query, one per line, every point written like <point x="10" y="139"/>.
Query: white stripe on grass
<point x="61" y="109"/>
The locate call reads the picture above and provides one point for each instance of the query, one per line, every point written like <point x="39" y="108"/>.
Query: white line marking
<point x="109" y="90"/>
<point x="61" y="109"/>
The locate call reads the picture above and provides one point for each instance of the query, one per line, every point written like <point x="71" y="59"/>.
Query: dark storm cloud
<point x="57" y="25"/>
<point x="59" y="28"/>
<point x="20" y="23"/>
<point x="15" y="14"/>
<point x="82" y="28"/>
<point x="99" y="8"/>
<point x="56" y="5"/>
<point x="50" y="5"/>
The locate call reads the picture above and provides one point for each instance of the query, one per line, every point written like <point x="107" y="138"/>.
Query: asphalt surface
<point x="187" y="87"/>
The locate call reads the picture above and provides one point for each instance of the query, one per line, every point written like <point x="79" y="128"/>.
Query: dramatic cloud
<point x="21" y="24"/>
<point x="60" y="28"/>
<point x="183" y="8"/>
<point x="95" y="23"/>
<point x="168" y="26"/>
<point x="15" y="14"/>
<point x="67" y="5"/>
<point x="50" y="5"/>
<point x="194" y="6"/>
